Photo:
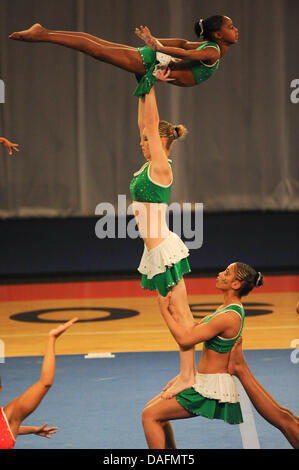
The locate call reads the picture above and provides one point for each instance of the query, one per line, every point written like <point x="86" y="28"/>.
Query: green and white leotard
<point x="216" y="396"/>
<point x="200" y="70"/>
<point x="224" y="345"/>
<point x="163" y="266"/>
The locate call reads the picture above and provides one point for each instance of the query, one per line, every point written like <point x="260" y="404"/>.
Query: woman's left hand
<point x="45" y="432"/>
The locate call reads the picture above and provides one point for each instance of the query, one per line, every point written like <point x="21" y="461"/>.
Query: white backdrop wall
<point x="75" y="118"/>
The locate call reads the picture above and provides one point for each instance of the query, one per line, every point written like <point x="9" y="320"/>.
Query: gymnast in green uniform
<point x="214" y="393"/>
<point x="189" y="63"/>
<point x="165" y="258"/>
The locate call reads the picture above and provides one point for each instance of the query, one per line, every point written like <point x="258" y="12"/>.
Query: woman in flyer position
<point x="189" y="63"/>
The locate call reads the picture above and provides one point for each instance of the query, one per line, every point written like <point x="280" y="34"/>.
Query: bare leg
<point x="177" y="304"/>
<point x="264" y="403"/>
<point x="155" y="421"/>
<point x="125" y="57"/>
<point x="169" y="436"/>
<point x="17" y="410"/>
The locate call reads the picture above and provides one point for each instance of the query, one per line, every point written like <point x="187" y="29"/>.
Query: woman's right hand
<point x="163" y="75"/>
<point x="144" y="33"/>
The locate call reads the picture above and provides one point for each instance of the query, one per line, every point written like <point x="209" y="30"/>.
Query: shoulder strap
<point x="209" y="44"/>
<point x="235" y="307"/>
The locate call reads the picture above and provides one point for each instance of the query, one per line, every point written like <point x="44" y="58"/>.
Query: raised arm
<point x="158" y="154"/>
<point x="18" y="409"/>
<point x="141" y="123"/>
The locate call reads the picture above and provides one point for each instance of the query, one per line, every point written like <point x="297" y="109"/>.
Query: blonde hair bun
<point x="181" y="131"/>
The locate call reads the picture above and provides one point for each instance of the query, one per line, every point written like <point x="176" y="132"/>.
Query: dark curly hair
<point x="207" y="27"/>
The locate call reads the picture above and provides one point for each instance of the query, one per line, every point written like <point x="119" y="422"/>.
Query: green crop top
<point x="223" y="345"/>
<point x="143" y="188"/>
<point x="201" y="71"/>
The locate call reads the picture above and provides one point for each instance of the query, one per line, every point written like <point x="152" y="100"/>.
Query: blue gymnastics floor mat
<point x="97" y="403"/>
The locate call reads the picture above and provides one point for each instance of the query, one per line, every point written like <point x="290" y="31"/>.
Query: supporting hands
<point x="164" y="303"/>
<point x="144" y="33"/>
<point x="162" y="75"/>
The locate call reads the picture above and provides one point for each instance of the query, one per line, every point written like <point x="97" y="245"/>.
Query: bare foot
<point x="236" y="358"/>
<point x="177" y="386"/>
<point x="34" y="33"/>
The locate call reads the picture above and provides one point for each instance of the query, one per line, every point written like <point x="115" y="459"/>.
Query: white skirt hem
<point x="170" y="251"/>
<point x="221" y="387"/>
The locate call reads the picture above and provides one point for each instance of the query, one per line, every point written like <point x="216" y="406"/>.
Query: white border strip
<point x="248" y="430"/>
<point x="99" y="355"/>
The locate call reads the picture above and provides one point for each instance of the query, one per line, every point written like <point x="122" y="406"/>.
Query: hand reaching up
<point x="56" y="332"/>
<point x="144" y="33"/>
<point x="9" y="145"/>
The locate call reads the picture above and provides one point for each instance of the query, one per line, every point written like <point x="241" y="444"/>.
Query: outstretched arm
<point x="181" y="43"/>
<point x="277" y="415"/>
<point x="177" y="48"/>
<point x="42" y="431"/>
<point x="18" y="409"/>
<point x="9" y="145"/>
<point x="144" y="33"/>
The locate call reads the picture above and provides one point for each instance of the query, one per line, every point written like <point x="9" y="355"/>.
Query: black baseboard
<point x="69" y="248"/>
